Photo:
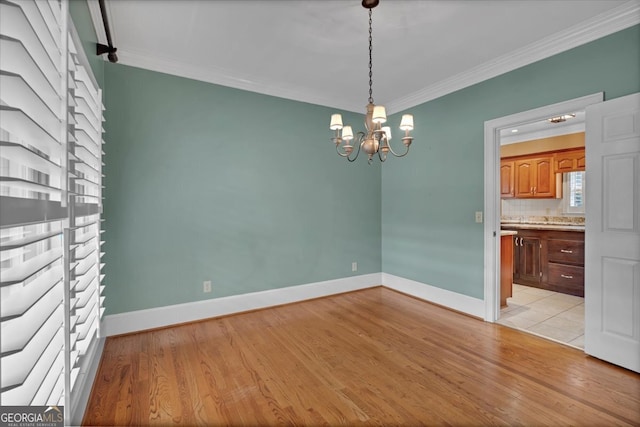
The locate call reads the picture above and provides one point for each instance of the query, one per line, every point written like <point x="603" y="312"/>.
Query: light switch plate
<point x="479" y="216"/>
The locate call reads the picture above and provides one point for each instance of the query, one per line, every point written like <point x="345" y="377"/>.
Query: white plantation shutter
<point x="32" y="314"/>
<point x="83" y="235"/>
<point x="32" y="112"/>
<point x="50" y="204"/>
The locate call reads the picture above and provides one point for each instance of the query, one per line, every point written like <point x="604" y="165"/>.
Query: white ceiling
<point x="317" y="51"/>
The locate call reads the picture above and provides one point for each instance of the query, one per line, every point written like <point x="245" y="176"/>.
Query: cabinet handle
<point x="565" y="276"/>
<point x="566" y="251"/>
<point x="535" y="190"/>
<point x="521" y="240"/>
<point x="531" y="190"/>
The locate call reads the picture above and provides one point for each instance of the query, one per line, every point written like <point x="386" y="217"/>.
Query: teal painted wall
<point x="429" y="198"/>
<point x="79" y="11"/>
<point x="205" y="182"/>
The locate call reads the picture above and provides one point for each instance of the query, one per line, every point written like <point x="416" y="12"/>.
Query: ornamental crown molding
<point x="597" y="27"/>
<point x="614" y="20"/>
<point x="96" y="19"/>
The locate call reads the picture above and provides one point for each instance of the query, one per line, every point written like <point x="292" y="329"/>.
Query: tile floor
<point x="553" y="315"/>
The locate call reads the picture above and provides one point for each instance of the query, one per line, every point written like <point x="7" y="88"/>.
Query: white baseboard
<point x="140" y="320"/>
<point x="453" y="300"/>
<point x="84" y="383"/>
<point x="133" y="321"/>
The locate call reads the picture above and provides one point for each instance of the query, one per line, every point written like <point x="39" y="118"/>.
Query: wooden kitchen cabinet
<point x="527" y="260"/>
<point x="565" y="265"/>
<point x="568" y="279"/>
<point x="507" y="179"/>
<point x="552" y="260"/>
<point x="569" y="161"/>
<point x="506" y="268"/>
<point x="535" y="178"/>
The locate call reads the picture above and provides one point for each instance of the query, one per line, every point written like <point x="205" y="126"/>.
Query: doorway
<point x="612" y="305"/>
<point x="542" y="234"/>
<point x="494" y="131"/>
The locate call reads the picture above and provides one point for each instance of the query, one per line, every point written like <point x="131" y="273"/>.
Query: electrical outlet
<point x="206" y="286"/>
<point x="479" y="216"/>
<point x="354" y="266"/>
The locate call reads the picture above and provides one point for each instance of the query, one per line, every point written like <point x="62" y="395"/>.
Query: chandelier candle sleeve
<point x="376" y="138"/>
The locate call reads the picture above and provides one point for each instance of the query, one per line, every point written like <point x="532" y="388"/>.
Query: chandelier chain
<point x="370" y="60"/>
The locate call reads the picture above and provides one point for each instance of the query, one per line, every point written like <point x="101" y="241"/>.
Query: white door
<point x="612" y="247"/>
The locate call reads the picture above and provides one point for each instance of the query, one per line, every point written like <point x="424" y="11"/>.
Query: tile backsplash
<point x="537" y="210"/>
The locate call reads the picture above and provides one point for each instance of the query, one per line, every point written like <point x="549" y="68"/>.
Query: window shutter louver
<point x="50" y="205"/>
<point x="85" y="184"/>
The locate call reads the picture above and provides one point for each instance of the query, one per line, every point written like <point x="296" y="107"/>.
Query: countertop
<point x="508" y="232"/>
<point x="530" y="226"/>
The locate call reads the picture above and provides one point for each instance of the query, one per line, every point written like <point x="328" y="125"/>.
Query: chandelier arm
<point x="396" y="154"/>
<point x="339" y="153"/>
<point x="360" y="137"/>
<point x="343" y="154"/>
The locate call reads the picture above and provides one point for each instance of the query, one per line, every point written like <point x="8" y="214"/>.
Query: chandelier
<point x="377" y="137"/>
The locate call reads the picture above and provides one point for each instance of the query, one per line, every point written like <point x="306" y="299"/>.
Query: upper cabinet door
<point x="569" y="161"/>
<point x="535" y="178"/>
<point x="507" y="179"/>
<point x="524" y="178"/>
<point x="544" y="184"/>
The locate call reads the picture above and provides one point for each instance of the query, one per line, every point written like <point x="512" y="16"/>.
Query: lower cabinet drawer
<point x="566" y="251"/>
<point x="568" y="279"/>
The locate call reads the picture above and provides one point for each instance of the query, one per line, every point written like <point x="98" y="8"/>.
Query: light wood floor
<point x="372" y="356"/>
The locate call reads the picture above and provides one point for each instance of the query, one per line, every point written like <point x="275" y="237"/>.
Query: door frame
<point x="492" y="192"/>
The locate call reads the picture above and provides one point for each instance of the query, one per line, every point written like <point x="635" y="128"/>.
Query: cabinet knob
<point x="566" y="276"/>
<point x="566" y="251"/>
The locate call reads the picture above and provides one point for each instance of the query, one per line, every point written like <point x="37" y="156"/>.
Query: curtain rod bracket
<point x="101" y="49"/>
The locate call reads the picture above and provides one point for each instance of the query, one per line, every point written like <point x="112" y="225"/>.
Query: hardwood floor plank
<point x="373" y="356"/>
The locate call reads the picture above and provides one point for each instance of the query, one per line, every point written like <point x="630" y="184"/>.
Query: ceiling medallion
<point x="377" y="137"/>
